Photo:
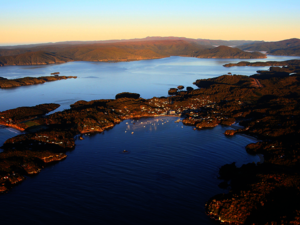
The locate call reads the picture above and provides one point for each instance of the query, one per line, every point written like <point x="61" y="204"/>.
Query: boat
<point x="177" y="121"/>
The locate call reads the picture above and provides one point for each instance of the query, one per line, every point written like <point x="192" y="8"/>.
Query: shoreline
<point x="221" y="100"/>
<point x="12" y="126"/>
<point x="124" y="104"/>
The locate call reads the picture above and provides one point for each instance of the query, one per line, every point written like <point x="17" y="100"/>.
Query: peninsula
<point x="10" y="83"/>
<point x="265" y="104"/>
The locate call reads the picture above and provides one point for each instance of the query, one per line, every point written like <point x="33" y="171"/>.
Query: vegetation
<point x="285" y="47"/>
<point x="228" y="52"/>
<point x="119" y="51"/>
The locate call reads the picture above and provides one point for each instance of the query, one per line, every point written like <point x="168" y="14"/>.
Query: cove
<point x="167" y="175"/>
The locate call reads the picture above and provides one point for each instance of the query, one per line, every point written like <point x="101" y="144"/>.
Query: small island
<point x="26" y="81"/>
<point x="265" y="104"/>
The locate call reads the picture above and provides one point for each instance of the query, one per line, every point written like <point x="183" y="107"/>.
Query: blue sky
<point x="36" y="21"/>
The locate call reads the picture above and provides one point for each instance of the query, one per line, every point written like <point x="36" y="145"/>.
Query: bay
<point x="165" y="176"/>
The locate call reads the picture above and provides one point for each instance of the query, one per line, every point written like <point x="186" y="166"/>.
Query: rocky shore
<point x="265" y="193"/>
<point x="258" y="193"/>
<point x="10" y="83"/>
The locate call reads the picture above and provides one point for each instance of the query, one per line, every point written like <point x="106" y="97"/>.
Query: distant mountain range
<point x="8" y="50"/>
<point x="54" y="47"/>
<point x="119" y="51"/>
<point x="138" y="49"/>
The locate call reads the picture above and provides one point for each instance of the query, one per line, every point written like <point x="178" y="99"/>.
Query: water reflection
<point x="146" y="125"/>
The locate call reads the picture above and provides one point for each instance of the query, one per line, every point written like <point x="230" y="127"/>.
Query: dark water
<point x="165" y="176"/>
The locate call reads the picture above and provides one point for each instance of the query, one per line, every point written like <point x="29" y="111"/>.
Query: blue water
<point x="168" y="172"/>
<point x="101" y="80"/>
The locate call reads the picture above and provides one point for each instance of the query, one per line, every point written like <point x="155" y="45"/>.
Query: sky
<point x="36" y="21"/>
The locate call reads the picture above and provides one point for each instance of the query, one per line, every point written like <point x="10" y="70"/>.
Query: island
<point x="10" y="83"/>
<point x="265" y="104"/>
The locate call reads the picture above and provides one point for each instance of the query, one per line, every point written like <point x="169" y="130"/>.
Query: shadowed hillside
<point x="227" y="52"/>
<point x="33" y="58"/>
<point x="285" y="47"/>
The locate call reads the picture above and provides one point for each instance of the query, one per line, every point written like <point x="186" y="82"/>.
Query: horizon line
<point x="50" y="42"/>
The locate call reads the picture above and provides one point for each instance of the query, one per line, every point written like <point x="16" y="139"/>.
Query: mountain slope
<point x="33" y="58"/>
<point x="227" y="52"/>
<point x="285" y="47"/>
<point x="123" y="51"/>
<point x="20" y="49"/>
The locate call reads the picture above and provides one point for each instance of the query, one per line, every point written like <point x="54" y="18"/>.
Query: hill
<point x="228" y="52"/>
<point x="124" y="51"/>
<point x="33" y="58"/>
<point x="19" y="49"/>
<point x="286" y="47"/>
<point x="120" y="51"/>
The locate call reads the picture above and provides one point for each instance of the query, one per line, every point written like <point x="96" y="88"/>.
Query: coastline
<point x="12" y="126"/>
<point x="220" y="100"/>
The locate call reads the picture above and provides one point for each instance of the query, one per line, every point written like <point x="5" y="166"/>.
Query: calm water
<point x="168" y="173"/>
<point x="166" y="177"/>
<point x="100" y="80"/>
